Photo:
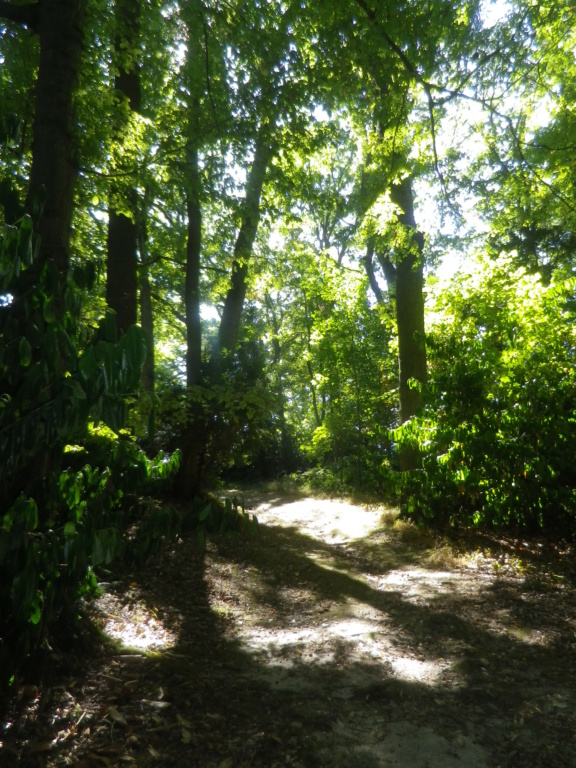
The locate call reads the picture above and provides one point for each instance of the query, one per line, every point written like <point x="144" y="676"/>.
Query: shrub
<point x="498" y="435"/>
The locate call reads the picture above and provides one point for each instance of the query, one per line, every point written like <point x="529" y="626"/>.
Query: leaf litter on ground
<point x="338" y="636"/>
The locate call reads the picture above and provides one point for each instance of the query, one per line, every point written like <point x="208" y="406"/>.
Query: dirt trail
<point x="351" y="633"/>
<point x="335" y="637"/>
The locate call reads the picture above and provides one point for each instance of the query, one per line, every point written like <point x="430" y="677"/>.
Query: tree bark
<point x="122" y="243"/>
<point x="146" y="306"/>
<point x="369" y="268"/>
<point x="287" y="453"/>
<point x="410" y="316"/>
<point x="54" y="167"/>
<point x="147" y="323"/>
<point x="234" y="302"/>
<point x="193" y="267"/>
<point x="195" y="434"/>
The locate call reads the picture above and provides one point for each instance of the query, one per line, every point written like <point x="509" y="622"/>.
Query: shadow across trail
<point x="303" y="647"/>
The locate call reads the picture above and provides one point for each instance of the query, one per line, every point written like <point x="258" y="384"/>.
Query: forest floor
<point x="336" y="636"/>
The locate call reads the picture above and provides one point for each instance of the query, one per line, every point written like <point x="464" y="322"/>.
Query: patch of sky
<point x="492" y="12"/>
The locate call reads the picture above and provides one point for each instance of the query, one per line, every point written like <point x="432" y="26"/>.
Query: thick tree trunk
<point x="410" y="316"/>
<point x="54" y="164"/>
<point x="122" y="264"/>
<point x="195" y="434"/>
<point x="234" y="302"/>
<point x="59" y="25"/>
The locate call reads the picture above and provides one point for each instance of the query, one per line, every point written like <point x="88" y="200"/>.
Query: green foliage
<point x="335" y="369"/>
<point x="228" y="419"/>
<point x="498" y="437"/>
<point x="68" y="489"/>
<point x="221" y="517"/>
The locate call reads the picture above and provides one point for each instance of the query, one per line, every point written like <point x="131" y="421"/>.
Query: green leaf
<point x="114" y="412"/>
<point x="49" y="310"/>
<point x="36" y="614"/>
<point x="79" y="393"/>
<point x="204" y="513"/>
<point x="25" y="240"/>
<point x="25" y="352"/>
<point x="108" y="327"/>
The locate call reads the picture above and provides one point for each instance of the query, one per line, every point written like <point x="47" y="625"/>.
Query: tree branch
<point x="452" y="93"/>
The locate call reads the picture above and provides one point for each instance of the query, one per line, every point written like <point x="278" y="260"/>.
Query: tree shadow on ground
<point x="213" y="699"/>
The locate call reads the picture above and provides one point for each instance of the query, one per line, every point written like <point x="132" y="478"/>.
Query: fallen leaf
<point x="157" y="704"/>
<point x="117" y="717"/>
<point x="183" y="721"/>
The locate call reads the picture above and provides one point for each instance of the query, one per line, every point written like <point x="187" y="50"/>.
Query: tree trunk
<point x="369" y="268"/>
<point x="410" y="316"/>
<point x="147" y="323"/>
<point x="287" y="453"/>
<point x="234" y="302"/>
<point x="193" y="264"/>
<point x="54" y="164"/>
<point x="195" y="434"/>
<point x="122" y="264"/>
<point x="59" y="25"/>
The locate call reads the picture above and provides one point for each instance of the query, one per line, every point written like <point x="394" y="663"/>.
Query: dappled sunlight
<point x="331" y="641"/>
<point x="325" y="563"/>
<point x="418" y="584"/>
<point x="133" y="624"/>
<point x="334" y="521"/>
<point x="343" y="586"/>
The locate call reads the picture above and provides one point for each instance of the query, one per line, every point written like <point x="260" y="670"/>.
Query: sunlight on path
<point x="354" y="631"/>
<point x="333" y="521"/>
<point x="342" y="623"/>
<point x="133" y="624"/>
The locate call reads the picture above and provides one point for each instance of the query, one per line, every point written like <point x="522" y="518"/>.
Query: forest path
<point x="345" y="650"/>
<point x="335" y="637"/>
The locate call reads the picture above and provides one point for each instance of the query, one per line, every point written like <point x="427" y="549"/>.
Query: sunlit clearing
<point x="133" y="624"/>
<point x="346" y="521"/>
